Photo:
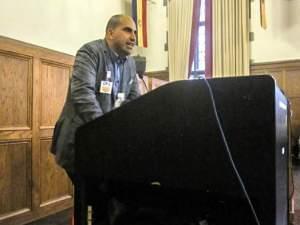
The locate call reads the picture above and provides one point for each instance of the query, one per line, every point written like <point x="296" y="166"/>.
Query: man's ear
<point x="110" y="32"/>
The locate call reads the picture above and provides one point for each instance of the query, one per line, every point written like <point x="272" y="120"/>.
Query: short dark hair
<point x="113" y="22"/>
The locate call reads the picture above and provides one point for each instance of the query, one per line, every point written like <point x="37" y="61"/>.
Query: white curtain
<point x="231" y="54"/>
<point x="180" y="13"/>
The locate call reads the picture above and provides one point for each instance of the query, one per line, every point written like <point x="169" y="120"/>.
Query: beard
<point x="124" y="49"/>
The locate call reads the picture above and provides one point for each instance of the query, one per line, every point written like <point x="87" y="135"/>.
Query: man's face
<point x="123" y="37"/>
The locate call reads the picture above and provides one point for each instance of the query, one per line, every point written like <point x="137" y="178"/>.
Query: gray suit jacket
<point x="84" y="101"/>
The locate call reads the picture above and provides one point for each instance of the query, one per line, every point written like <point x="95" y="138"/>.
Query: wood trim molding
<point x="275" y="64"/>
<point x="161" y="74"/>
<point x="10" y="44"/>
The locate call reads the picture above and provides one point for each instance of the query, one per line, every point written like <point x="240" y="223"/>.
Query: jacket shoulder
<point x="96" y="45"/>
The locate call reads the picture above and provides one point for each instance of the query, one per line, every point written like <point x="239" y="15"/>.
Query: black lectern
<point x="170" y="138"/>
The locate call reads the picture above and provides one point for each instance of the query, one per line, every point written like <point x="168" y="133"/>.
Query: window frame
<point x="198" y="73"/>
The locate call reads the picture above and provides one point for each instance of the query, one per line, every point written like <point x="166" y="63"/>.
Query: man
<point x="103" y="71"/>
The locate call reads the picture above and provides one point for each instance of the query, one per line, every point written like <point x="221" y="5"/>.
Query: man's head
<point x="120" y="34"/>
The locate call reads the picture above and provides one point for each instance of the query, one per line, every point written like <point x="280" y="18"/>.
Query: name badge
<point x="105" y="87"/>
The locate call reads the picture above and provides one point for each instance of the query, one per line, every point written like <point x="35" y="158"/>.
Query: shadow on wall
<point x="127" y="7"/>
<point x="281" y="16"/>
<point x="285" y="20"/>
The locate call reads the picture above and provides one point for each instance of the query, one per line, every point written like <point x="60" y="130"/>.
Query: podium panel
<point x="170" y="138"/>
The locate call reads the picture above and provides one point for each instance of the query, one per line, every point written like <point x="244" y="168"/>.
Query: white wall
<point x="157" y="57"/>
<point x="65" y="25"/>
<point x="62" y="25"/>
<point x="281" y="39"/>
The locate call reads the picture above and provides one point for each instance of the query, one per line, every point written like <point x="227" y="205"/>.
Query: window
<point x="198" y="66"/>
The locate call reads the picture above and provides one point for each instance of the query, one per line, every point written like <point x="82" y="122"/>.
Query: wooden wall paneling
<point x="15" y="178"/>
<point x="54" y="181"/>
<point x="36" y="136"/>
<point x="24" y="120"/>
<point x="293" y="91"/>
<point x="287" y="75"/>
<point x="15" y="87"/>
<point x="54" y="184"/>
<point x="15" y="134"/>
<point x="295" y="118"/>
<point x="11" y="45"/>
<point x="293" y="82"/>
<point x="54" y="85"/>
